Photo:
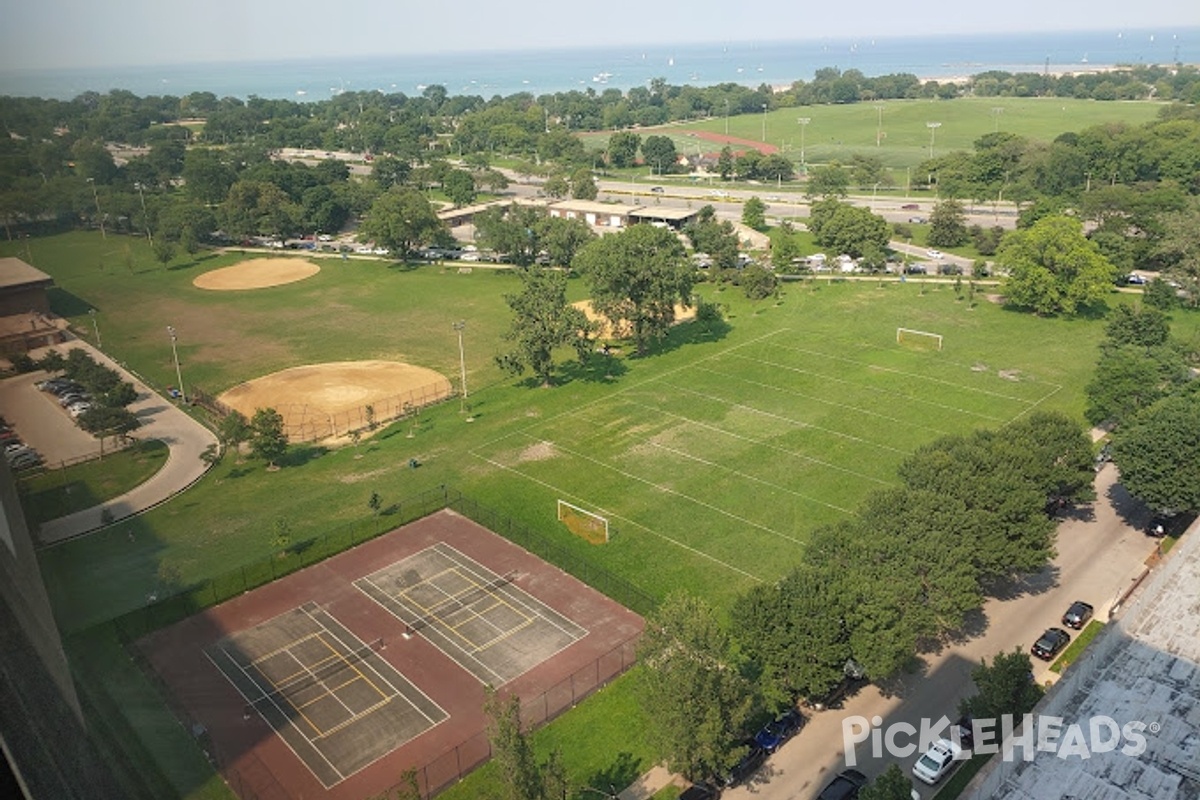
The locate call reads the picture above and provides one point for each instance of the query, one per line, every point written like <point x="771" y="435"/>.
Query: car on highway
<point x="1050" y="643"/>
<point x="657" y="189"/>
<point x="910" y="207"/>
<point x="1077" y="615"/>
<point x="845" y="786"/>
<point x="935" y="253"/>
<point x="917" y="220"/>
<point x="770" y="737"/>
<point x="937" y="761"/>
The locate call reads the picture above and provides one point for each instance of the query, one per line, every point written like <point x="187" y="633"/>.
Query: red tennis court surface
<point x="313" y="686"/>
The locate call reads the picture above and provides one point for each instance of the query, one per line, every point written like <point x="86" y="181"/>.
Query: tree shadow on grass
<point x="301" y="454"/>
<point x="618" y="774"/>
<point x="598" y="368"/>
<point x="403" y="266"/>
<point x="194" y="261"/>
<point x="691" y="332"/>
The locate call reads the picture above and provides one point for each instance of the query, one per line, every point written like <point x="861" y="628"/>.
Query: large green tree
<point x="521" y="776"/>
<point x="543" y="321"/>
<point x="1053" y="268"/>
<point x="400" y="219"/>
<point x="623" y="148"/>
<point x="692" y="686"/>
<point x="1158" y="453"/>
<point x="1005" y="686"/>
<point x="848" y="229"/>
<point x="637" y="277"/>
<point x="893" y="784"/>
<point x="659" y="153"/>
<point x="267" y="439"/>
<point x="948" y="225"/>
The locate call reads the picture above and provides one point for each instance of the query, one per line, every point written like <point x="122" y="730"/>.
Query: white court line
<point x="796" y="422"/>
<point x="325" y="686"/>
<point x="427" y="623"/>
<point x="761" y="443"/>
<point x="667" y="490"/>
<point x="613" y="515"/>
<point x="287" y="719"/>
<point x="865" y="388"/>
<point x="751" y="478"/>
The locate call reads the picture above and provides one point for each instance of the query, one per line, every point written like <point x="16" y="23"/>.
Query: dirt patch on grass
<point x="324" y="401"/>
<point x="608" y="331"/>
<point x="256" y="273"/>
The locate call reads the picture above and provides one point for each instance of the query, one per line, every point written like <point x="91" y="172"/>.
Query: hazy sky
<point x="75" y="33"/>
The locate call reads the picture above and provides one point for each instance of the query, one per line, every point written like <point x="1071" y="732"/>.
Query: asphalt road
<point x="1101" y="553"/>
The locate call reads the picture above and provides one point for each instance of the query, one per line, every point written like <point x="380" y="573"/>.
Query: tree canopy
<point x="543" y="321"/>
<point x="1158" y="453"/>
<point x="1053" y="269"/>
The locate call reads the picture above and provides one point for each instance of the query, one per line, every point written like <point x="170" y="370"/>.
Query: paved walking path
<point x="185" y="438"/>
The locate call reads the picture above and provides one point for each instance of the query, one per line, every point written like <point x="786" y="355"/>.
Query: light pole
<point x="996" y="112"/>
<point x="764" y="125"/>
<point x="178" y="372"/>
<point x="727" y="116"/>
<point x="879" y="126"/>
<point x="99" y="213"/>
<point x="145" y="219"/>
<point x="95" y="327"/>
<point x="933" y="126"/>
<point x="460" y="326"/>
<point x="803" y="124"/>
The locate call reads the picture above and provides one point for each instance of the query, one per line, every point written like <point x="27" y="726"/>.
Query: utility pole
<point x="803" y="125"/>
<point x="178" y="372"/>
<point x="933" y="126"/>
<point x="99" y="213"/>
<point x="460" y="326"/>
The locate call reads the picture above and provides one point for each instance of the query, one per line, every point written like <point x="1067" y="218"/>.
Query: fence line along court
<point x="487" y="625"/>
<point x="330" y="696"/>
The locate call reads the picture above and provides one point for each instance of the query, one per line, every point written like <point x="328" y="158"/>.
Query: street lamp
<point x="460" y="326"/>
<point x="145" y="219"/>
<point x="879" y="126"/>
<point x="95" y="327"/>
<point x="175" y="355"/>
<point x="933" y="126"/>
<point x="726" y="116"/>
<point x="764" y="132"/>
<point x="99" y="213"/>
<point x="803" y="124"/>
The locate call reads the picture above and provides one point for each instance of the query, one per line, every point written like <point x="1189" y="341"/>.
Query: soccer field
<point x="713" y="474"/>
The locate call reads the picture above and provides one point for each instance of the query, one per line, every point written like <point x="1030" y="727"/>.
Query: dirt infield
<point x="749" y="144"/>
<point x="258" y="762"/>
<point x="606" y="328"/>
<point x="318" y="401"/>
<point x="256" y="273"/>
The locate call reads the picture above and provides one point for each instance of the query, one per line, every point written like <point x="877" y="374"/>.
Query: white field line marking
<point x="1036" y="403"/>
<point x="905" y="373"/>
<point x="763" y="443"/>
<point x="862" y="388"/>
<point x="613" y="515"/>
<point x="609" y="397"/>
<point x="676" y="493"/>
<point x="789" y="420"/>
<point x="748" y="477"/>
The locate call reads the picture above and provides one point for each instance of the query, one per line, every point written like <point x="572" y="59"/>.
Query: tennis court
<point x="482" y="621"/>
<point x="330" y="696"/>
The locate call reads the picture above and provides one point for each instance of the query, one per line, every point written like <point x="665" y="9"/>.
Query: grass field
<point x="839" y="131"/>
<point x="55" y="493"/>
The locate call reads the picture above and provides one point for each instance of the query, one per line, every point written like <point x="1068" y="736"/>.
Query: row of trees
<point x="109" y="414"/>
<point x="905" y="571"/>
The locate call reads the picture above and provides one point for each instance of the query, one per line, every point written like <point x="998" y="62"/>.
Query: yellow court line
<point x="355" y="668"/>
<point x="359" y="715"/>
<point x="287" y="648"/>
<point x="429" y="581"/>
<point x="503" y="635"/>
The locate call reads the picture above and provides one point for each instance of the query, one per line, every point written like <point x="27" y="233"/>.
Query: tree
<point x="543" y="321"/>
<point x="828" y="181"/>
<point x="556" y="186"/>
<point x="459" y="187"/>
<point x="108" y="421"/>
<point x="267" y="439"/>
<point x="659" y="152"/>
<point x="400" y="219"/>
<point x="1137" y="326"/>
<point x="562" y="238"/>
<point x="374" y="502"/>
<point x="1158" y="453"/>
<point x="281" y="534"/>
<point x="725" y="163"/>
<point x="754" y="214"/>
<point x="948" y="225"/>
<point x="692" y="687"/>
<point x="206" y="174"/>
<point x="623" y="148"/>
<point x="637" y="277"/>
<point x="893" y="784"/>
<point x="757" y="281"/>
<point x="1005" y="687"/>
<point x="583" y="185"/>
<point x="164" y="250"/>
<point x="1053" y="268"/>
<point x="1128" y="379"/>
<point x="234" y="429"/>
<point x="521" y="777"/>
<point x="847" y="229"/>
<point x="388" y="171"/>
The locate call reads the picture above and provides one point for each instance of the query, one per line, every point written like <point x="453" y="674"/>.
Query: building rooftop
<point x="15" y="272"/>
<point x="1145" y="667"/>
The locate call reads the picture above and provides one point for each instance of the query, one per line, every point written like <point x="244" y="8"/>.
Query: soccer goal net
<point x="592" y="527"/>
<point x="920" y="339"/>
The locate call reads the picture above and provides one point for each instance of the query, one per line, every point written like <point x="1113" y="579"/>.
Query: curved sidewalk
<point x="186" y="440"/>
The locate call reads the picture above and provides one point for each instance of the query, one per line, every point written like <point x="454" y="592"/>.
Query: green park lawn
<point x="713" y="458"/>
<point x="59" y="492"/>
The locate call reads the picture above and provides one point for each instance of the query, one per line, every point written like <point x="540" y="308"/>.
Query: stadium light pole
<point x="178" y="372"/>
<point x="996" y="112"/>
<point x="764" y="131"/>
<point x="95" y="327"/>
<point x="933" y="126"/>
<point x="145" y="219"/>
<point x="460" y="326"/>
<point x="803" y="124"/>
<point x="879" y="125"/>
<point x="99" y="213"/>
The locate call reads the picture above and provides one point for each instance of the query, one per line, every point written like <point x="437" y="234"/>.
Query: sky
<point x="40" y="34"/>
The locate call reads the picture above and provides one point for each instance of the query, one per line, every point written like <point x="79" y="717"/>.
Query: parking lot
<point x="41" y="422"/>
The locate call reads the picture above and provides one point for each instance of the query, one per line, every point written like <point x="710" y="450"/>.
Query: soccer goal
<point x="592" y="527"/>
<point x="919" y="339"/>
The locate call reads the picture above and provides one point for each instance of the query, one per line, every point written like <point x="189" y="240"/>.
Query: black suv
<point x="1052" y="641"/>
<point x="845" y="786"/>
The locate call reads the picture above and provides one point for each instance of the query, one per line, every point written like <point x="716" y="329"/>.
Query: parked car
<point x="772" y="735"/>
<point x="1051" y="643"/>
<point x="917" y="220"/>
<point x="77" y="410"/>
<point x="1136" y="280"/>
<point x="1077" y="615"/>
<point x="744" y="768"/>
<point x="26" y="461"/>
<point x="700" y="791"/>
<point x="965" y="732"/>
<point x="937" y="761"/>
<point x="845" y="786"/>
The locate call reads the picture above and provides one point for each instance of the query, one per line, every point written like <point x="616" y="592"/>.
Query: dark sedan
<point x="1051" y="643"/>
<point x="1077" y="615"/>
<point x="845" y="786"/>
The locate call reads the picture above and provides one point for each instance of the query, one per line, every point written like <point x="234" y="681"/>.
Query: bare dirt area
<point x="749" y="144"/>
<point x="319" y="401"/>
<point x="256" y="273"/>
<point x="606" y="327"/>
